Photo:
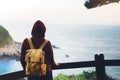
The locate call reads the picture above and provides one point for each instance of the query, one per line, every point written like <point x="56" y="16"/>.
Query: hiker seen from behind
<point x="36" y="54"/>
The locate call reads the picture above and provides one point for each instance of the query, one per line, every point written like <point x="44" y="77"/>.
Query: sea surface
<point x="78" y="43"/>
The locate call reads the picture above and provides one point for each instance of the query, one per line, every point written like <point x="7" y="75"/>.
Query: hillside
<point x="8" y="47"/>
<point x="5" y="38"/>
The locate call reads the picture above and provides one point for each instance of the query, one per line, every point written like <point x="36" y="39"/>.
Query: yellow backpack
<point x="35" y="60"/>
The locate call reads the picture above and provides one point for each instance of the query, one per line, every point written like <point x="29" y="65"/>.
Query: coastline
<point x="14" y="52"/>
<point x="6" y="58"/>
<point x="10" y="52"/>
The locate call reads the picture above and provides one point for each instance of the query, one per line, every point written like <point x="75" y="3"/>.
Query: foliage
<point x="95" y="3"/>
<point x="5" y="38"/>
<point x="86" y="75"/>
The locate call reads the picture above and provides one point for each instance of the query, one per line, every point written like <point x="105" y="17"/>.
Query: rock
<point x="8" y="47"/>
<point x="55" y="47"/>
<point x="5" y="38"/>
<point x="67" y="55"/>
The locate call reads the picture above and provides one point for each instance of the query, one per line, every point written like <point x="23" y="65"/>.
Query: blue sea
<point x="78" y="43"/>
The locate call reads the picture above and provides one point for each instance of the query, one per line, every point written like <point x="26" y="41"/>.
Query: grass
<point x="85" y="75"/>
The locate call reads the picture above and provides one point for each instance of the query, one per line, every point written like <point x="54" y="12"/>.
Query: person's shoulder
<point x="25" y="40"/>
<point x="47" y="40"/>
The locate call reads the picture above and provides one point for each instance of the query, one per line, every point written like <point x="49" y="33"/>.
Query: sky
<point x="18" y="16"/>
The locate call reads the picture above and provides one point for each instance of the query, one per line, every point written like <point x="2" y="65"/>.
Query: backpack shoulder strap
<point x="30" y="43"/>
<point x="43" y="44"/>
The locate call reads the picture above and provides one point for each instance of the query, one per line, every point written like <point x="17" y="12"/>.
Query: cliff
<point x="8" y="47"/>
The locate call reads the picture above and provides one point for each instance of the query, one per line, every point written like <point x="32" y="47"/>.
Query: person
<point x="38" y="36"/>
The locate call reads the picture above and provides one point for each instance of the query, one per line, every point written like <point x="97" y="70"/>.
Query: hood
<point x="38" y="29"/>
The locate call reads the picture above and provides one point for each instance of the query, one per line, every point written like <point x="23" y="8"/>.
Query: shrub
<point x="86" y="75"/>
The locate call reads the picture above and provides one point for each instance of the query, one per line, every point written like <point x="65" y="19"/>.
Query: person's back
<point x="38" y="37"/>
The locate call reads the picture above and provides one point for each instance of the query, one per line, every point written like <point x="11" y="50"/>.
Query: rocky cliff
<point x="8" y="47"/>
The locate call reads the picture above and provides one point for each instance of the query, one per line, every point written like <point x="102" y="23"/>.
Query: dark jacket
<point x="38" y="34"/>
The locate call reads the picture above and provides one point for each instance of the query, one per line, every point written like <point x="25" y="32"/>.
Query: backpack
<point x="35" y="60"/>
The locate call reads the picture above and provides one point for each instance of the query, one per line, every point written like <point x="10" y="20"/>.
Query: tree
<point x="96" y="3"/>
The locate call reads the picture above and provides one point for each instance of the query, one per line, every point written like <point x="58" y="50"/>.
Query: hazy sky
<point x="23" y="13"/>
<point x="57" y="11"/>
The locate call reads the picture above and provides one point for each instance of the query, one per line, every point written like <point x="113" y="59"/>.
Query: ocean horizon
<point x="80" y="43"/>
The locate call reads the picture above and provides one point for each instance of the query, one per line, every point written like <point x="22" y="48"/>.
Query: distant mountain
<point x="8" y="47"/>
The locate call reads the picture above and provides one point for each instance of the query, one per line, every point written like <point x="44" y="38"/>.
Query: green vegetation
<point x="83" y="76"/>
<point x="5" y="38"/>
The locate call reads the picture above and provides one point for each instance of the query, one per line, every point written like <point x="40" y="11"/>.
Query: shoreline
<point x="9" y="58"/>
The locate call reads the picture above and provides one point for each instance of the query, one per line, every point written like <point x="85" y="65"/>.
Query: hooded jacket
<point x="38" y="34"/>
<point x="38" y="29"/>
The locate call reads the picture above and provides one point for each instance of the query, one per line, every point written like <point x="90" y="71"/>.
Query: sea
<point x="77" y="43"/>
